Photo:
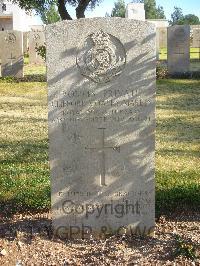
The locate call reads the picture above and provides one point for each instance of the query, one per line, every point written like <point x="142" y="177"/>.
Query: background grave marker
<point x="12" y="53"/>
<point x="178" y="49"/>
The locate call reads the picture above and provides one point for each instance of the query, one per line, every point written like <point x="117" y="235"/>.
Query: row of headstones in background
<point x="178" y="49"/>
<point x="196" y="37"/>
<point x="25" y="42"/>
<point x="11" y="53"/>
<point x="177" y="41"/>
<point x="161" y="40"/>
<point x="36" y="39"/>
<point x="171" y="37"/>
<point x="13" y="44"/>
<point x="161" y="35"/>
<point x="32" y="40"/>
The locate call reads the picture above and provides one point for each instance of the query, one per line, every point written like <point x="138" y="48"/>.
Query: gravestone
<point x="11" y="53"/>
<point x="162" y="37"/>
<point x="36" y="39"/>
<point x="135" y="11"/>
<point x="157" y="44"/>
<point x="196" y="38"/>
<point x="25" y="42"/>
<point x="178" y="52"/>
<point x="101" y="96"/>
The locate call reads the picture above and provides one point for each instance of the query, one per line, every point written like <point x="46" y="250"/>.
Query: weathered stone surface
<point x="11" y="43"/>
<point x="101" y="95"/>
<point x="196" y="38"/>
<point x="162" y="37"/>
<point x="157" y="44"/>
<point x="25" y="42"/>
<point x="36" y="39"/>
<point x="178" y="52"/>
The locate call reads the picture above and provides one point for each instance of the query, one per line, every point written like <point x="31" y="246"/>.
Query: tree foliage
<point x="150" y="9"/>
<point x="40" y="5"/>
<point x="119" y="9"/>
<point x="191" y="19"/>
<point x="160" y="13"/>
<point x="177" y="18"/>
<point x="50" y="15"/>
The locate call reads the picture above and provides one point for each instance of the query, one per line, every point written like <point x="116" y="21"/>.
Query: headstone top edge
<point x="99" y="19"/>
<point x="178" y="26"/>
<point x="10" y="31"/>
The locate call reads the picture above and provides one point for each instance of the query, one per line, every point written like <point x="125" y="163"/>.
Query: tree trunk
<point x="63" y="11"/>
<point x="80" y="10"/>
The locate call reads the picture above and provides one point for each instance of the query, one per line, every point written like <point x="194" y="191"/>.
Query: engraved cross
<point x="11" y="58"/>
<point x="101" y="150"/>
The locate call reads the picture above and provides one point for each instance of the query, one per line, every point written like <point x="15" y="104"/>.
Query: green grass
<point x="24" y="178"/>
<point x="30" y="69"/>
<point x="34" y="70"/>
<point x="194" y="53"/>
<point x="24" y="168"/>
<point x="177" y="143"/>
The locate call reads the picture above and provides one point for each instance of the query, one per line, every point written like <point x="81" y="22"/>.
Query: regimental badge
<point x="36" y="37"/>
<point x="11" y="38"/>
<point x="102" y="57"/>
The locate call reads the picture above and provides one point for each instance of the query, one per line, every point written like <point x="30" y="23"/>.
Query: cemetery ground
<point x="25" y="232"/>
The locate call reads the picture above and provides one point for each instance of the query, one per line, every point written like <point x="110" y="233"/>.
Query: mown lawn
<point x="24" y="178"/>
<point x="24" y="169"/>
<point x="177" y="143"/>
<point x="194" y="53"/>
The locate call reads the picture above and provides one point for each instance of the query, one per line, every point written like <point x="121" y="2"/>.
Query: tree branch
<point x="63" y="11"/>
<point x="80" y="10"/>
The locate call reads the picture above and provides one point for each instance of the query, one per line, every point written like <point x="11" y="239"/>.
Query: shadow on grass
<point x="32" y="201"/>
<point x="178" y="129"/>
<point x="25" y="152"/>
<point x="182" y="103"/>
<point x="187" y="95"/>
<point x="20" y="119"/>
<point x="26" y="78"/>
<point x="169" y="86"/>
<point x="177" y="191"/>
<point x="25" y="177"/>
<point x="178" y="152"/>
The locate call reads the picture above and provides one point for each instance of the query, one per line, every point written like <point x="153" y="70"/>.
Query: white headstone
<point x="135" y="11"/>
<point x="196" y="38"/>
<point x="101" y="96"/>
<point x="11" y="43"/>
<point x="162" y="37"/>
<point x="36" y="39"/>
<point x="25" y="42"/>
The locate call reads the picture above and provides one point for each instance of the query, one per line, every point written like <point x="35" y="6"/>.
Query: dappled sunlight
<point x="102" y="133"/>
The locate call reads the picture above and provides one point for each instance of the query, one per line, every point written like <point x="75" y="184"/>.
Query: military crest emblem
<point x="102" y="57"/>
